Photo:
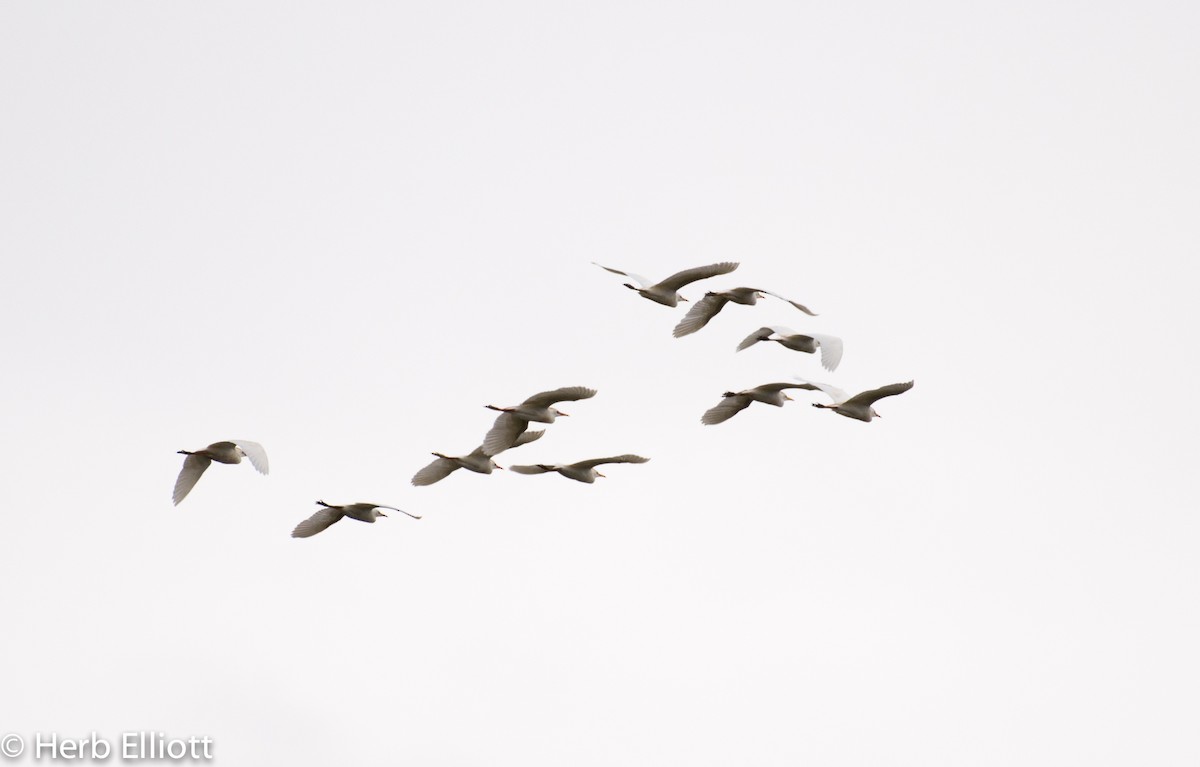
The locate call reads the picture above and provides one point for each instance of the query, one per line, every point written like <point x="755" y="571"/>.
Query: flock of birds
<point x="510" y="429"/>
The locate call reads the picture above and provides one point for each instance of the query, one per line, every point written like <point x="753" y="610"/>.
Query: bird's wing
<point x="317" y="522"/>
<point x="434" y="472"/>
<point x="529" y="436"/>
<point x="565" y="394"/>
<point x="189" y="475"/>
<point x="831" y="350"/>
<point x="762" y="334"/>
<point x="728" y="408"/>
<point x="256" y="454"/>
<point x="594" y="462"/>
<point x="522" y="439"/>
<point x="645" y="283"/>
<point x="688" y="276"/>
<point x="504" y="433"/>
<point x="868" y="398"/>
<point x="801" y="307"/>
<point x="699" y="315"/>
<point x="837" y="395"/>
<point x="540" y="468"/>
<point x="782" y="386"/>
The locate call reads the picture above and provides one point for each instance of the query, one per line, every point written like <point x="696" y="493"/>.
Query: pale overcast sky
<point x="341" y="229"/>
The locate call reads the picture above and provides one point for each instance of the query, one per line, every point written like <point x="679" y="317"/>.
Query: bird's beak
<point x="563" y="414"/>
<point x="786" y="397"/>
<point x="498" y="466"/>
<point x="382" y="514"/>
<point x="598" y="474"/>
<point x="681" y="298"/>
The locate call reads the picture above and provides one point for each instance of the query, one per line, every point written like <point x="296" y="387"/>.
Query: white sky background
<point x="341" y="231"/>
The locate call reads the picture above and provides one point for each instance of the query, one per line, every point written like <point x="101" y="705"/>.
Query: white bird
<point x="477" y="460"/>
<point x="666" y="292"/>
<point x="512" y="421"/>
<point x="831" y="346"/>
<point x="363" y="512"/>
<point x="714" y="301"/>
<point x="737" y="401"/>
<point x="221" y="452"/>
<point x="582" y="471"/>
<point x="858" y="406"/>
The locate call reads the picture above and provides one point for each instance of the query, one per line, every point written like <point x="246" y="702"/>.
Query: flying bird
<point x="831" y="346"/>
<point x="737" y="401"/>
<point x="714" y="301"/>
<point x="513" y="421"/>
<point x="583" y="471"/>
<point x="221" y="452"/>
<point x="666" y="292"/>
<point x="363" y="512"/>
<point x="477" y="460"/>
<point x="858" y="406"/>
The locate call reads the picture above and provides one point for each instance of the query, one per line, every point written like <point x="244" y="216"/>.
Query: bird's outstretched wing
<point x="688" y="276"/>
<point x="256" y="454"/>
<point x="434" y="472"/>
<point x="837" y="395"/>
<point x="700" y="313"/>
<point x="639" y="279"/>
<point x="189" y="475"/>
<point x="868" y="398"/>
<point x="565" y="394"/>
<point x="504" y="433"/>
<point x="762" y="334"/>
<point x="529" y="436"/>
<point x="726" y="409"/>
<point x="540" y="468"/>
<point x="523" y="439"/>
<point x="801" y="307"/>
<point x="831" y="350"/>
<point x="317" y="522"/>
<point x="594" y="462"/>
